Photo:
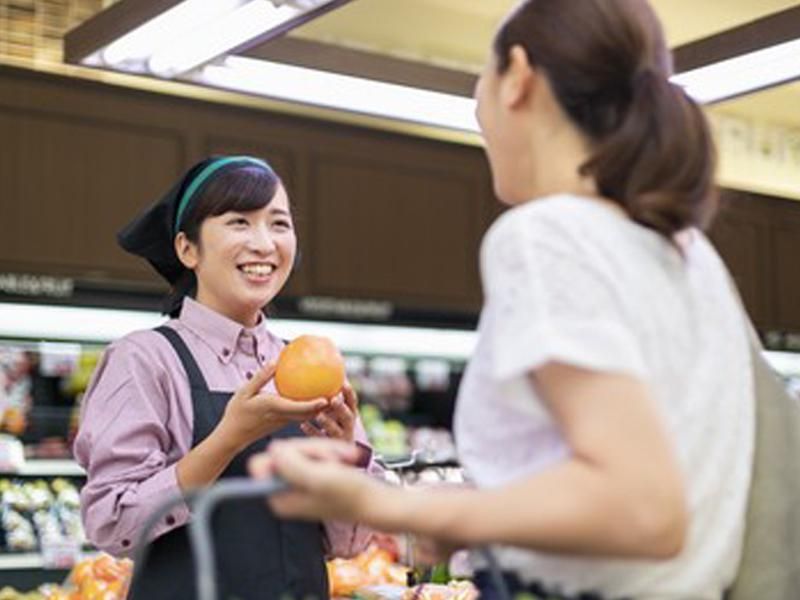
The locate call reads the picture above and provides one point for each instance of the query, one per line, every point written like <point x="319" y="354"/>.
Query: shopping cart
<point x="204" y="502"/>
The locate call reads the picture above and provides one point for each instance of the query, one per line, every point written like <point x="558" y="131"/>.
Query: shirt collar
<point x="224" y="336"/>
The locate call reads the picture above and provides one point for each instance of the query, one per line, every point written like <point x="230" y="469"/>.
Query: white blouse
<point x="569" y="279"/>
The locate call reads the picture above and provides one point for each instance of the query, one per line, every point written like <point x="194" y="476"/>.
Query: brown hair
<point x="608" y="65"/>
<point x="240" y="189"/>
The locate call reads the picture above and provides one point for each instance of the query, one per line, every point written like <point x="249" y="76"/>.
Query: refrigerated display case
<point x="406" y="378"/>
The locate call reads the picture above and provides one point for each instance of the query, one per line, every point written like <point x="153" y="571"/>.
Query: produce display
<point x="101" y="577"/>
<point x="35" y="514"/>
<point x="373" y="566"/>
<point x="15" y="389"/>
<point x="41" y="514"/>
<point x="375" y="575"/>
<point x="9" y="593"/>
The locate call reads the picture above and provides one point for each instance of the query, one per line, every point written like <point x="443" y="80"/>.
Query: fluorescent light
<point x="217" y="37"/>
<point x="40" y="322"/>
<point x="741" y="74"/>
<point x="384" y="339"/>
<point x="344" y="92"/>
<point x="101" y="325"/>
<point x="195" y="31"/>
<point x="134" y="48"/>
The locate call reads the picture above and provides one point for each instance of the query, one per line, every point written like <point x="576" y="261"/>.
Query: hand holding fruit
<point x="312" y="367"/>
<point x="338" y="420"/>
<point x="252" y="414"/>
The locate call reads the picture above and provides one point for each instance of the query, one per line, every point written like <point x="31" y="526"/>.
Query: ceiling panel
<point x="688" y="20"/>
<point x="780" y="104"/>
<point x="458" y="32"/>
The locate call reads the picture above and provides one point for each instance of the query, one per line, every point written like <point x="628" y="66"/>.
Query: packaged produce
<point x="374" y="566"/>
<point x="101" y="577"/>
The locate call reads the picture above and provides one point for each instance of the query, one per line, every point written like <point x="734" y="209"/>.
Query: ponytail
<point x="609" y="68"/>
<point x="659" y="162"/>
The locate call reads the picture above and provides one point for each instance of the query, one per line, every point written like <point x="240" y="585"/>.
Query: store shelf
<point x="35" y="560"/>
<point x="785" y="363"/>
<point x="35" y="322"/>
<point x="47" y="468"/>
<point x="30" y="560"/>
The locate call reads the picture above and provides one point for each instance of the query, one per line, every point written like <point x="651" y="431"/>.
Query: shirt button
<point x="249" y="374"/>
<point x="170" y="520"/>
<point x="262" y="357"/>
<point x="226" y="352"/>
<point x="126" y="543"/>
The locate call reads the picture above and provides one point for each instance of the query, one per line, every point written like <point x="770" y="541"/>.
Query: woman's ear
<point x="519" y="79"/>
<point x="186" y="250"/>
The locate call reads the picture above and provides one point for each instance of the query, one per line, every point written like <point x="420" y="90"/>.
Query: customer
<point x="161" y="418"/>
<point x="607" y="413"/>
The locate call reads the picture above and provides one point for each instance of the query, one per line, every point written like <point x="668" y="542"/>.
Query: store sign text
<point x="20" y="284"/>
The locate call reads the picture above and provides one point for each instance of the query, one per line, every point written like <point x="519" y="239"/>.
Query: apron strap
<point x="196" y="379"/>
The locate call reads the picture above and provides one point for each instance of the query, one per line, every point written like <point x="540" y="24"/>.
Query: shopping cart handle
<point x="200" y="527"/>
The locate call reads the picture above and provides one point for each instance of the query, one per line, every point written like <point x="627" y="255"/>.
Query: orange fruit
<point x="14" y="421"/>
<point x="309" y="367"/>
<point x="82" y="571"/>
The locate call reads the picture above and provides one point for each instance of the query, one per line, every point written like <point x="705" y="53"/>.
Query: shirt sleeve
<point x="548" y="302"/>
<point x="343" y="539"/>
<point x="123" y="444"/>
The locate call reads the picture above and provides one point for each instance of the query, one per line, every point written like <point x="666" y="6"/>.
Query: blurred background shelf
<point x="47" y="468"/>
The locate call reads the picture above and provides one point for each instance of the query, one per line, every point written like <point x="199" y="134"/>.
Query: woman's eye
<point x="238" y="221"/>
<point x="282" y="225"/>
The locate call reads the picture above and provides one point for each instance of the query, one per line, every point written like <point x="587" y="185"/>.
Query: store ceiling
<point x="457" y="33"/>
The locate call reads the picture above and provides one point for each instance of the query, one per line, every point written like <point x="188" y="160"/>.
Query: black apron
<point x="258" y="555"/>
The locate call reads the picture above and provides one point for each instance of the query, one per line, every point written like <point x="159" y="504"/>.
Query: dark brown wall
<point x="759" y="238"/>
<point x="381" y="216"/>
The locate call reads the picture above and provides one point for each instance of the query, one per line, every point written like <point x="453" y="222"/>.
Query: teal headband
<point x="204" y="175"/>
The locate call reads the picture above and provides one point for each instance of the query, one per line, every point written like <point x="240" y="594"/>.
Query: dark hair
<point x="609" y="68"/>
<point x="241" y="188"/>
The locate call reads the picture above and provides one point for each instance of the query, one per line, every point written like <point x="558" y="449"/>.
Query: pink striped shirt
<point x="136" y="423"/>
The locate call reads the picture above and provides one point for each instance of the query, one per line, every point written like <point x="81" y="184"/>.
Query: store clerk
<point x="186" y="404"/>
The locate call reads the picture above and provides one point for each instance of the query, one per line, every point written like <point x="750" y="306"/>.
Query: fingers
<point x="338" y="421"/>
<point x="311" y="430"/>
<point x="350" y="397"/>
<point x="342" y="412"/>
<point x="297" y="468"/>
<point x="258" y="381"/>
<point x="322" y="483"/>
<point x="330" y="426"/>
<point x="260" y="466"/>
<point x="318" y="449"/>
<point x="294" y="410"/>
<point x="303" y="462"/>
<point x="263" y="464"/>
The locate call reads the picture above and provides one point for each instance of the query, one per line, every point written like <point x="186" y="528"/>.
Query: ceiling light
<point x="742" y="74"/>
<point x="220" y="36"/>
<point x="185" y="36"/>
<point x="343" y="92"/>
<point x="134" y="48"/>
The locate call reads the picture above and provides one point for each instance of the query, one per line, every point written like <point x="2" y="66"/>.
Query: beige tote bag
<point x="770" y="565"/>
